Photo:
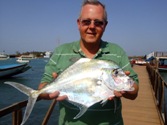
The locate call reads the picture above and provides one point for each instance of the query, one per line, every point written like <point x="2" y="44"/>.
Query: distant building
<point x="47" y="54"/>
<point x="156" y="54"/>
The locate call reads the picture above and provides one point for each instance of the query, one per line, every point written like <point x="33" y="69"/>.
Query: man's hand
<point x="54" y="95"/>
<point x="130" y="95"/>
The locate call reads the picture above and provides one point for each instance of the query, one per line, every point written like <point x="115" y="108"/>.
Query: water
<point x="164" y="75"/>
<point x="31" y="78"/>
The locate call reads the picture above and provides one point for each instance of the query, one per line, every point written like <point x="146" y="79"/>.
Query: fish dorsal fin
<point x="81" y="107"/>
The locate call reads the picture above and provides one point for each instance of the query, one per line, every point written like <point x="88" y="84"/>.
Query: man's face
<point x="91" y="23"/>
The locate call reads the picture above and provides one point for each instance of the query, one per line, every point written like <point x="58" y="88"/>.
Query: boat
<point x="160" y="63"/>
<point x="25" y="58"/>
<point x="13" y="69"/>
<point x="139" y="61"/>
<point x="4" y="56"/>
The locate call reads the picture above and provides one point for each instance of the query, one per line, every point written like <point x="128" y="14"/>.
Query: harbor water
<point x="164" y="75"/>
<point x="31" y="78"/>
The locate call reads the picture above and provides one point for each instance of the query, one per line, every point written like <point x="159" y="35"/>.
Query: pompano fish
<point x="86" y="82"/>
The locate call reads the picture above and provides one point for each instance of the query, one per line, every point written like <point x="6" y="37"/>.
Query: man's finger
<point x="54" y="75"/>
<point x="54" y="95"/>
<point x="127" y="73"/>
<point x="61" y="98"/>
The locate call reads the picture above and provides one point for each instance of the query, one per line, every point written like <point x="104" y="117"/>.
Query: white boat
<point x="22" y="60"/>
<point x="13" y="69"/>
<point x="4" y="56"/>
<point x="139" y="61"/>
<point x="25" y="58"/>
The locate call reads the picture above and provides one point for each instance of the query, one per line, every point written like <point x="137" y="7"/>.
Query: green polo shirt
<point x="108" y="114"/>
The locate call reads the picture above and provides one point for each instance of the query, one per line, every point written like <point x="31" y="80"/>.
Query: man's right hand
<point x="54" y="95"/>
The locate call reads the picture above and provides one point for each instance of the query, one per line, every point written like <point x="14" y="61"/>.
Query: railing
<point x="16" y="110"/>
<point x="160" y="88"/>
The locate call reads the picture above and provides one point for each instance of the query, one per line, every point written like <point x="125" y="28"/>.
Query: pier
<point x="144" y="109"/>
<point x="149" y="108"/>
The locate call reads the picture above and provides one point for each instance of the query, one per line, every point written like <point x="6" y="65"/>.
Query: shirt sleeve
<point x="51" y="67"/>
<point x="126" y="66"/>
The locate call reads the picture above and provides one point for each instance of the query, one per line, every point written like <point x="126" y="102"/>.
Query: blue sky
<point x="138" y="26"/>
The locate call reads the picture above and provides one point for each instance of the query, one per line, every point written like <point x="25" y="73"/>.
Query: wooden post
<point x="17" y="117"/>
<point x="49" y="112"/>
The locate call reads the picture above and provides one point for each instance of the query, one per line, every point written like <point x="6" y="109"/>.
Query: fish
<point x="86" y="82"/>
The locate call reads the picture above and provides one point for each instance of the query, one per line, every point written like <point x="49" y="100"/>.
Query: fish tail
<point x="28" y="110"/>
<point x="33" y="95"/>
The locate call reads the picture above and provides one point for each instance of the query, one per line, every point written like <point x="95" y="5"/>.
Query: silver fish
<point x="86" y="82"/>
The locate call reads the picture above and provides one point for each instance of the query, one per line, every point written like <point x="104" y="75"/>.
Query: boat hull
<point x="13" y="69"/>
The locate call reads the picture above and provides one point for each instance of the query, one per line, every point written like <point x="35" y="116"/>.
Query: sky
<point x="138" y="26"/>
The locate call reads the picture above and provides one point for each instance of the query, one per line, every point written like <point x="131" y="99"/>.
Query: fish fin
<point x="83" y="109"/>
<point x="28" y="110"/>
<point x="33" y="95"/>
<point x="22" y="88"/>
<point x="104" y="101"/>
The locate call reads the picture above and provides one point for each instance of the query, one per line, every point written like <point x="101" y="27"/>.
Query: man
<point x="91" y="24"/>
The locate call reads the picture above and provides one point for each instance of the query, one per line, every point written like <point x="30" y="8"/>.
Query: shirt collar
<point x="76" y="47"/>
<point x="103" y="47"/>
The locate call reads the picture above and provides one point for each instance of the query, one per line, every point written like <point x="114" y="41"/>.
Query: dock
<point x="143" y="110"/>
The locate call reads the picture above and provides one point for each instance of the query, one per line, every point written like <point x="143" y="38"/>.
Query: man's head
<point x="92" y="21"/>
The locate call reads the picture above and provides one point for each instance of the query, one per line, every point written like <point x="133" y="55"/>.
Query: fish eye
<point x="115" y="71"/>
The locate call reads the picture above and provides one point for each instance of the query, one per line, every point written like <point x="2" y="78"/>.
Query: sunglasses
<point x="96" y="22"/>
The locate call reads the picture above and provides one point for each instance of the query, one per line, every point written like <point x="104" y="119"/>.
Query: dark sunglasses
<point x="87" y="22"/>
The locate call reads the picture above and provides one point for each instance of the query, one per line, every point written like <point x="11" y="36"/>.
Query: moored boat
<point x="25" y="58"/>
<point x="158" y="60"/>
<point x="160" y="63"/>
<point x="13" y="69"/>
<point x="4" y="56"/>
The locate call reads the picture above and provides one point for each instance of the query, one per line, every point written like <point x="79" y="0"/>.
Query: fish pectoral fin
<point x="83" y="109"/>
